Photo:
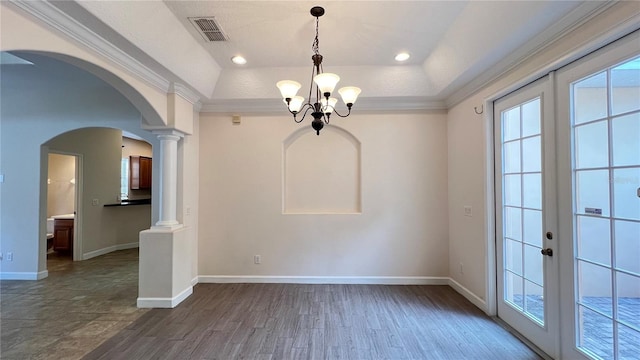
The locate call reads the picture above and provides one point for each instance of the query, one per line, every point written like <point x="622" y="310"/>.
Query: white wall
<point x="402" y="230"/>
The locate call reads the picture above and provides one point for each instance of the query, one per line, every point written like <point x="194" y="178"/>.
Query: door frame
<point x="77" y="254"/>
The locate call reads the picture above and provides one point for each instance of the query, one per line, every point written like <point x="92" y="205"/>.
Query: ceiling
<point x="454" y="45"/>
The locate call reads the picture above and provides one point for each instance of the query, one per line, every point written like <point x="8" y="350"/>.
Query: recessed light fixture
<point x="403" y="56"/>
<point x="239" y="60"/>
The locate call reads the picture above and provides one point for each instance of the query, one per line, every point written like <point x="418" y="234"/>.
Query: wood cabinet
<point x="63" y="235"/>
<point x="139" y="172"/>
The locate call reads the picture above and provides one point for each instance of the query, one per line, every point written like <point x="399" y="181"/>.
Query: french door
<point x="599" y="203"/>
<point x="527" y="268"/>
<point x="567" y="156"/>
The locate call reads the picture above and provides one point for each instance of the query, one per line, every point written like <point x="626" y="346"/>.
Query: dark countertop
<point x="131" y="202"/>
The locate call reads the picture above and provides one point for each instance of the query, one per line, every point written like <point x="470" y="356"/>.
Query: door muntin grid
<point x="522" y="194"/>
<point x="605" y="115"/>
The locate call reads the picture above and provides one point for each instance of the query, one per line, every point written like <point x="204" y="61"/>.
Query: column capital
<point x="168" y="134"/>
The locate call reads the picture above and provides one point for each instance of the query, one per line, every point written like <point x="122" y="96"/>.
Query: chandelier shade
<point x="288" y="88"/>
<point x="319" y="102"/>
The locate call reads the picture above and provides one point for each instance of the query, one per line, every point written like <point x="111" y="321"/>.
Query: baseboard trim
<point x="103" y="251"/>
<point x="373" y="280"/>
<point x="473" y="298"/>
<point x="165" y="303"/>
<point x="24" y="275"/>
<point x="194" y="281"/>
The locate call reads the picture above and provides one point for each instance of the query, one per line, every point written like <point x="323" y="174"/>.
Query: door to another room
<point x="568" y="207"/>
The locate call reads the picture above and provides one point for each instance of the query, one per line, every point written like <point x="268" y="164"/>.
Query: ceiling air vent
<point x="208" y="28"/>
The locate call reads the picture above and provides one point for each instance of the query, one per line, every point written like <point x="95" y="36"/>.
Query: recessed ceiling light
<point x="239" y="60"/>
<point x="403" y="56"/>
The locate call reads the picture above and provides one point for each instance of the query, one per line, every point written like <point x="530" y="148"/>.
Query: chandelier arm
<point x="340" y="115"/>
<point x="307" y="108"/>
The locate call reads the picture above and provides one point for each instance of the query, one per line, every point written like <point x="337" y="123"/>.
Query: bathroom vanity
<point x="63" y="233"/>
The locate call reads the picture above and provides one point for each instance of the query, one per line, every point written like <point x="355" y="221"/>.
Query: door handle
<point x="547" y="251"/>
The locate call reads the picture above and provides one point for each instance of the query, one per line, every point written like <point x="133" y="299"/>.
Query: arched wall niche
<point x="321" y="174"/>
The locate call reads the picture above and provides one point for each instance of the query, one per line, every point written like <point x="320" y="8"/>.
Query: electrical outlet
<point x="94" y="202"/>
<point x="461" y="268"/>
<point x="468" y="211"/>
<point x="188" y="211"/>
<point x="256" y="259"/>
<point x="9" y="256"/>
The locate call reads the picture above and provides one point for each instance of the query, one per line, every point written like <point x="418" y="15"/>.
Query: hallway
<point x="75" y="309"/>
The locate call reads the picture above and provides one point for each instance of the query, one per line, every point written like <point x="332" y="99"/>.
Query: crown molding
<point x="57" y="19"/>
<point x="184" y="92"/>
<point x="578" y="17"/>
<point x="275" y="106"/>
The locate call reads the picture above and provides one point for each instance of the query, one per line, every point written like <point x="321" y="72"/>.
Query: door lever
<point x="547" y="251"/>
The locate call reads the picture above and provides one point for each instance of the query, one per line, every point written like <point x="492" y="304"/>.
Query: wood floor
<point x="285" y="321"/>
<point x="87" y="310"/>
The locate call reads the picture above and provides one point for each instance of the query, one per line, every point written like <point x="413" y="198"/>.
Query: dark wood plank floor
<point x="287" y="321"/>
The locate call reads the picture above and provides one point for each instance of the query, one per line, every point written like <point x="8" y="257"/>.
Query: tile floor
<point x="71" y="312"/>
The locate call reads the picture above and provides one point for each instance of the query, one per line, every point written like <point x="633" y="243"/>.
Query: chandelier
<point x="323" y="105"/>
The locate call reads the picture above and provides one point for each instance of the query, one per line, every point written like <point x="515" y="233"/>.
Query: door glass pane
<point x="531" y="118"/>
<point x="513" y="290"/>
<point x="513" y="257"/>
<point x="532" y="198"/>
<point x="625" y="84"/>
<point x="511" y="124"/>
<point x="522" y="209"/>
<point x="626" y="184"/>
<point x="511" y="154"/>
<point x="531" y="154"/>
<point x="590" y="98"/>
<point x="628" y="299"/>
<point x="629" y="340"/>
<point x="533" y="264"/>
<point x="628" y="246"/>
<point x="533" y="227"/>
<point x="595" y="291"/>
<point x="594" y="333"/>
<point x="534" y="301"/>
<point x="592" y="192"/>
<point x="592" y="145"/>
<point x="626" y="140"/>
<point x="513" y="223"/>
<point x="512" y="193"/>
<point x="594" y="239"/>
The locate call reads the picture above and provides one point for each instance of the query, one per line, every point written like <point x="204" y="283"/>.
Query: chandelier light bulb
<point x="326" y="82"/>
<point x="327" y="108"/>
<point x="288" y="88"/>
<point x="349" y="94"/>
<point x="296" y="103"/>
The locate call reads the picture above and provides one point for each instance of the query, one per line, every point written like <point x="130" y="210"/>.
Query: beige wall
<point x="60" y="187"/>
<point x="102" y="227"/>
<point x="402" y="230"/>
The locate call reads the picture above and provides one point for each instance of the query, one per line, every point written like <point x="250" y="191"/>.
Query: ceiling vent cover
<point x="208" y="28"/>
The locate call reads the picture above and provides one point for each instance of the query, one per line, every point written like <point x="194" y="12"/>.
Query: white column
<point x="168" y="178"/>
